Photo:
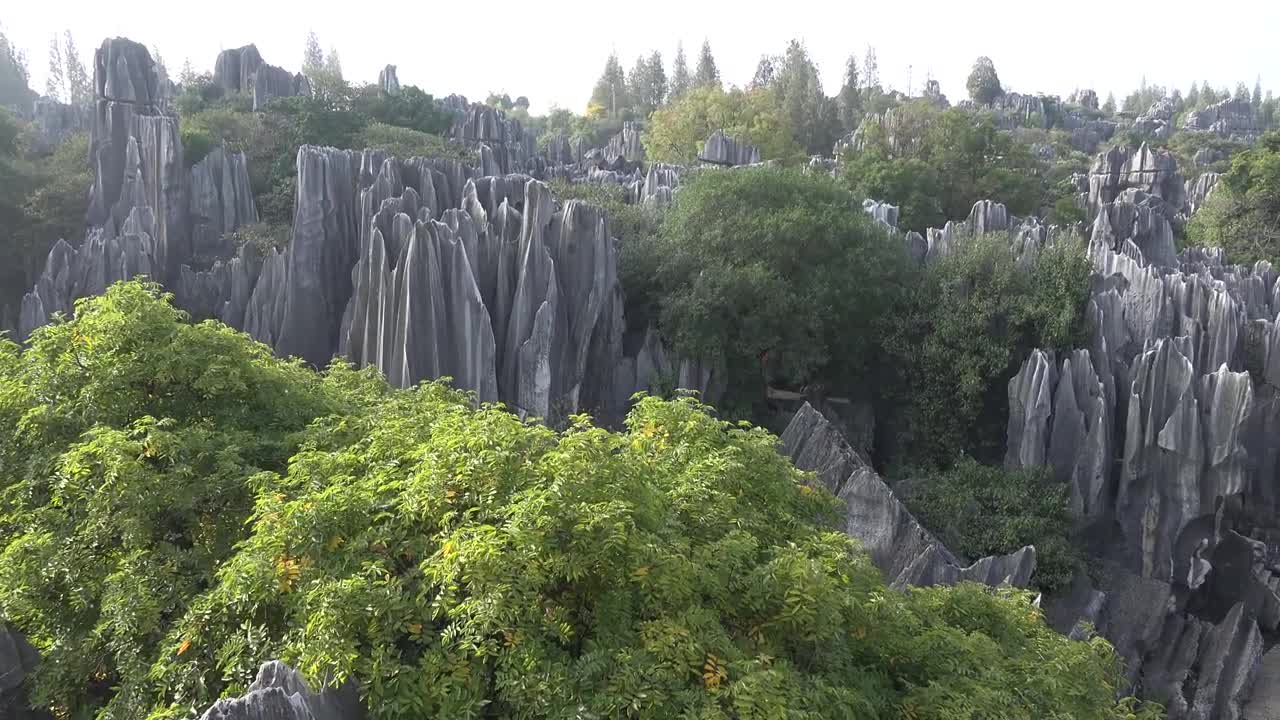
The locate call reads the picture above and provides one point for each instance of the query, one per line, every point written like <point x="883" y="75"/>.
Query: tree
<point x="777" y="277"/>
<point x="1242" y="93"/>
<point x="647" y="83"/>
<point x="871" y="72"/>
<point x="214" y="506"/>
<point x="55" y="83"/>
<point x="312" y="56"/>
<point x="324" y="72"/>
<point x="1109" y="107"/>
<point x="983" y="83"/>
<point x="1242" y="215"/>
<point x="188" y="76"/>
<point x="850" y="97"/>
<point x="611" y="91"/>
<point x="1257" y="93"/>
<point x="965" y="331"/>
<point x="814" y="120"/>
<point x="79" y="82"/>
<point x="13" y="75"/>
<point x="707" y="75"/>
<point x="680" y="81"/>
<point x="677" y="132"/>
<point x="1193" y="96"/>
<point x="656" y="88"/>
<point x="766" y="72"/>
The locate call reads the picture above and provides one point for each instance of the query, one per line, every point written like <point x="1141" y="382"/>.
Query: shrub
<point x="405" y="143"/>
<point x="979" y="510"/>
<point x="181" y="506"/>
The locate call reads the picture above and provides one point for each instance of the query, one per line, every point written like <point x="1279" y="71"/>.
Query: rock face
<point x="55" y="122"/>
<point x="17" y="660"/>
<point x="1157" y="121"/>
<point x="1154" y="172"/>
<point x="489" y="129"/>
<point x="234" y="70"/>
<point x="1198" y="190"/>
<point x="271" y="82"/>
<point x="387" y="80"/>
<point x="1167" y="444"/>
<point x="624" y="149"/>
<point x="903" y="550"/>
<point x="220" y="201"/>
<point x="280" y="693"/>
<point x="1229" y="118"/>
<point x="721" y="149"/>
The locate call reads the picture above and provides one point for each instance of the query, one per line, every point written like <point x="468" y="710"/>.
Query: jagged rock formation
<point x="387" y="80"/>
<point x="234" y="70"/>
<point x="1154" y="172"/>
<point x="1088" y="99"/>
<point x="54" y="122"/>
<point x="280" y="693"/>
<point x="903" y="550"/>
<point x="624" y="149"/>
<point x="1198" y="190"/>
<point x="242" y="70"/>
<point x="220" y="200"/>
<point x="884" y="213"/>
<point x="721" y="149"/>
<point x="490" y="131"/>
<point x="1166" y="442"/>
<point x="1229" y="118"/>
<point x="1157" y="121"/>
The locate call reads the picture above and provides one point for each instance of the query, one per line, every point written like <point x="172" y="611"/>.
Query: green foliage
<point x="677" y="132"/>
<point x="777" y="276"/>
<point x="262" y="237"/>
<point x="14" y="76"/>
<point x="940" y="163"/>
<point x="1242" y="216"/>
<point x="128" y="444"/>
<point x="983" y="83"/>
<point x="180" y="506"/>
<point x="979" y="510"/>
<point x="41" y="200"/>
<point x="405" y="143"/>
<point x="967" y="328"/>
<point x="411" y="108"/>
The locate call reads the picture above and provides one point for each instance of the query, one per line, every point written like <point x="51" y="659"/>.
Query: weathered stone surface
<point x="903" y="550"/>
<point x="388" y="82"/>
<point x="1157" y="121"/>
<point x="54" y="122"/>
<point x="280" y="693"/>
<point x="1228" y="118"/>
<point x="1154" y="172"/>
<point x="721" y="149"/>
<point x="476" y="123"/>
<point x="884" y="213"/>
<point x="1198" y="190"/>
<point x="235" y="69"/>
<point x="271" y="82"/>
<point x="1139" y="218"/>
<point x="220" y="201"/>
<point x="17" y="661"/>
<point x="624" y="149"/>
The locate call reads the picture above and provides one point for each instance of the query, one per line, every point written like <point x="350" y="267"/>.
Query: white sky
<point x="553" y="52"/>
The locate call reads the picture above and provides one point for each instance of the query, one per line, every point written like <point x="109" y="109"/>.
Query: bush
<point x="1242" y="216"/>
<point x="979" y="510"/>
<point x="405" y="143"/>
<point x="777" y="276"/>
<point x="968" y="327"/>
<point x="181" y="506"/>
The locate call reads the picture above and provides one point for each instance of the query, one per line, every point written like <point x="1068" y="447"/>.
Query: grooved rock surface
<point x="235" y="69"/>
<point x="721" y="149"/>
<point x="280" y="693"/>
<point x="904" y="551"/>
<point x="220" y="201"/>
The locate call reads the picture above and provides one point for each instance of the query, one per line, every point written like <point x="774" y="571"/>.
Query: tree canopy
<point x="983" y="83"/>
<point x="208" y="507"/>
<point x="677" y="132"/>
<point x="1242" y="214"/>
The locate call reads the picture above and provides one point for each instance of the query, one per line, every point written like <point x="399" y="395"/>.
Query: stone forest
<point x="326" y="401"/>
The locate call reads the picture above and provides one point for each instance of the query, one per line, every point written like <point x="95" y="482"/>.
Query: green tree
<point x="707" y="75"/>
<point x="324" y="72"/>
<point x="79" y="82"/>
<point x="209" y="507"/>
<point x="777" y="277"/>
<point x="676" y="133"/>
<point x="611" y="91"/>
<point x="850" y="97"/>
<point x="1109" y="106"/>
<point x="55" y="82"/>
<point x="965" y="331"/>
<point x="983" y="83"/>
<point x="13" y="75"/>
<point x="979" y="510"/>
<point x="680" y="80"/>
<point x="814" y="119"/>
<point x="1242" y="215"/>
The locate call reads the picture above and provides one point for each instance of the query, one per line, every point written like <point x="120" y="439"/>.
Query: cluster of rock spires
<point x="242" y="70"/>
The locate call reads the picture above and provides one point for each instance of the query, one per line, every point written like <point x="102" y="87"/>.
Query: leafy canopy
<point x="677" y="131"/>
<point x="181" y="506"/>
<point x="777" y="275"/>
<point x="1242" y="215"/>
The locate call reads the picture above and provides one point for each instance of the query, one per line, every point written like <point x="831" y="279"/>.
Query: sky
<point x="553" y="52"/>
